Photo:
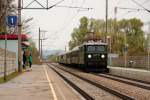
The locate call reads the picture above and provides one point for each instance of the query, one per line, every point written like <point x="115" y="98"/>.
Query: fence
<point x="140" y="62"/>
<point x="10" y="62"/>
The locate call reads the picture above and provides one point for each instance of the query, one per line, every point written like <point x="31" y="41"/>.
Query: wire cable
<point x="146" y="1"/>
<point x="141" y="6"/>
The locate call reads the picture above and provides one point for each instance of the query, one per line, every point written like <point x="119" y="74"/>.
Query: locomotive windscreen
<point x="100" y="48"/>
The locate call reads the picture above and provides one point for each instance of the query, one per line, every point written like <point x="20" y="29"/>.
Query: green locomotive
<point x="91" y="56"/>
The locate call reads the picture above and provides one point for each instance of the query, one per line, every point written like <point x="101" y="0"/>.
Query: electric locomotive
<point x="90" y="56"/>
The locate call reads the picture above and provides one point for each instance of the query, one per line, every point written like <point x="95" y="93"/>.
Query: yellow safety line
<point x="50" y="85"/>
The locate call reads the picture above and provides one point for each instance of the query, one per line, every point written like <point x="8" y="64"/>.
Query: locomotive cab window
<point x="91" y="48"/>
<point x="96" y="48"/>
<point x="100" y="48"/>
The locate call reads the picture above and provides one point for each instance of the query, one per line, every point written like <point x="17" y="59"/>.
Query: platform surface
<point x="143" y="75"/>
<point x="39" y="84"/>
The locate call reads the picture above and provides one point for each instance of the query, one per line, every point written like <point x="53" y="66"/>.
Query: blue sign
<point x="12" y="21"/>
<point x="125" y="49"/>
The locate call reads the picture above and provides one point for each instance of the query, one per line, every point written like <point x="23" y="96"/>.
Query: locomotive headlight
<point x="89" y="56"/>
<point x="102" y="56"/>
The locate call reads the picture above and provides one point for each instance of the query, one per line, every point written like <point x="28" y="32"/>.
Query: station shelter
<point x="12" y="43"/>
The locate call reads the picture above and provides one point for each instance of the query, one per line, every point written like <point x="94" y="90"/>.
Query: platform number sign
<point x="12" y="21"/>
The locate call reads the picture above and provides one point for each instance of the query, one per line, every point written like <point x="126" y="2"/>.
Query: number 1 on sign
<point x="12" y="20"/>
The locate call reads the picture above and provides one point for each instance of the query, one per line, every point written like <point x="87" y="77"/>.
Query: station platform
<point x="39" y="84"/>
<point x="142" y="75"/>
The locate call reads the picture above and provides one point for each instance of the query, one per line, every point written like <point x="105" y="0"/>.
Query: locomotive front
<point x="96" y="57"/>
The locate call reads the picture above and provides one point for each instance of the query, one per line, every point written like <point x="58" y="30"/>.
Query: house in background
<point x="12" y="43"/>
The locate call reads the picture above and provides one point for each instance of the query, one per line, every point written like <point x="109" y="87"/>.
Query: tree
<point x="132" y="28"/>
<point x="134" y="33"/>
<point x="79" y="33"/>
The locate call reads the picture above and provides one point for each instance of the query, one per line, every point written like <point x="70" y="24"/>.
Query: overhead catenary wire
<point x="71" y="19"/>
<point x="141" y="6"/>
<point x="129" y="10"/>
<point x="65" y="25"/>
<point x="146" y="1"/>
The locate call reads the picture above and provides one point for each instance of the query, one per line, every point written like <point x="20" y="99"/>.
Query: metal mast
<point x="19" y="37"/>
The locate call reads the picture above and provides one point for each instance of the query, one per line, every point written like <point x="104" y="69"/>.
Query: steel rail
<point x="126" y="82"/>
<point x="84" y="94"/>
<point x="114" y="92"/>
<point x="140" y="81"/>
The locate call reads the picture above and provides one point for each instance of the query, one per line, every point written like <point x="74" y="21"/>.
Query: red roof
<point x="24" y="37"/>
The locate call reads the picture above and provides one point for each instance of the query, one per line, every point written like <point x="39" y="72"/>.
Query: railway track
<point x="80" y="91"/>
<point x="109" y="90"/>
<point x="143" y="85"/>
<point x="140" y="81"/>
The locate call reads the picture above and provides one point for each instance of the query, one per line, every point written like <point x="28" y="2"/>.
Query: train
<point x="89" y="56"/>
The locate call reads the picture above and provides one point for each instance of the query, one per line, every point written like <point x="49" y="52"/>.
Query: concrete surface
<point x="143" y="75"/>
<point x="39" y="84"/>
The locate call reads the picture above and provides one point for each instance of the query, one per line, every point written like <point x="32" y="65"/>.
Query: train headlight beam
<point x="102" y="56"/>
<point x="89" y="56"/>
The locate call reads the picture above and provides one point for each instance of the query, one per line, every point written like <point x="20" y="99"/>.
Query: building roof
<point x="24" y="37"/>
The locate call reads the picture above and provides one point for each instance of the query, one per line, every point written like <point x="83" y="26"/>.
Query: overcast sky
<point x="59" y="22"/>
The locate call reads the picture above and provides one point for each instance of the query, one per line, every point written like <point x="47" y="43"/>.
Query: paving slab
<point x="62" y="89"/>
<point x="42" y="83"/>
<point x="30" y="85"/>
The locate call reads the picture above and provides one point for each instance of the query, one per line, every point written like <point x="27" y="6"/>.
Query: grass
<point x="9" y="77"/>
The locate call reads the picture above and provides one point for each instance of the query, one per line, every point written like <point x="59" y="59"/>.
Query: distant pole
<point x="5" y="55"/>
<point x="19" y="37"/>
<point x="106" y="20"/>
<point x="148" y="59"/>
<point x="41" y="50"/>
<point x="5" y="62"/>
<point x="149" y="48"/>
<point x="39" y="43"/>
<point x="115" y="22"/>
<point x="125" y="51"/>
<point x="65" y="49"/>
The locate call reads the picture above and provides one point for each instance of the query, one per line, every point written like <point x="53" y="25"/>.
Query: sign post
<point x="11" y="22"/>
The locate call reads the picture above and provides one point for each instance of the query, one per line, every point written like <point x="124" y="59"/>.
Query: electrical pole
<point x="46" y="7"/>
<point x="115" y="22"/>
<point x="5" y="59"/>
<point x="19" y="37"/>
<point x="106" y="20"/>
<point x="39" y="43"/>
<point x="125" y="50"/>
<point x="41" y="38"/>
<point x="41" y="50"/>
<point x="5" y="55"/>
<point x="149" y="47"/>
